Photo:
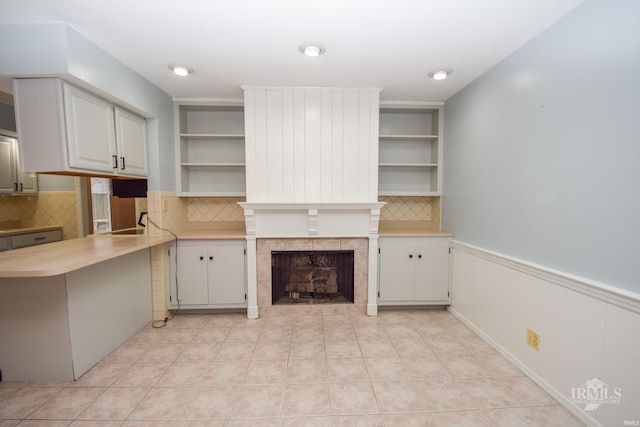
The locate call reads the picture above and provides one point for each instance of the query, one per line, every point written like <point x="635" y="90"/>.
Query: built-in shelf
<point x="210" y="149"/>
<point x="410" y="154"/>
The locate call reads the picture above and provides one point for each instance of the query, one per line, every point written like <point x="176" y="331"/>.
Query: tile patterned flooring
<point x="400" y="368"/>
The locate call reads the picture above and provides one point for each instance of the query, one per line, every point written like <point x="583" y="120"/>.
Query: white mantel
<point x="300" y="220"/>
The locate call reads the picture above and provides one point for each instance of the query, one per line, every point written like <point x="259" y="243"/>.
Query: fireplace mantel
<point x="296" y="220"/>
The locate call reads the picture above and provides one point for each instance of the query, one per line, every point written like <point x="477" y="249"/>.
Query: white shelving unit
<point x="410" y="156"/>
<point x="210" y="148"/>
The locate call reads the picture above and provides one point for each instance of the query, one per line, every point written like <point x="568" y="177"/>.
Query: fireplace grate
<point x="312" y="277"/>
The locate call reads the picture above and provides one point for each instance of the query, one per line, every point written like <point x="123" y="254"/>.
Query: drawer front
<point x="4" y="244"/>
<point x="38" y="238"/>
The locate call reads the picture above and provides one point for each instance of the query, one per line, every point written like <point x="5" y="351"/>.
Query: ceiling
<point x="392" y="44"/>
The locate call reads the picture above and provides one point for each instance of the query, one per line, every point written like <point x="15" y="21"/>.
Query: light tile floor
<point x="401" y="368"/>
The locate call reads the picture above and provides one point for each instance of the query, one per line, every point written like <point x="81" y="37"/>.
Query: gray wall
<point x="542" y="153"/>
<point x="59" y="50"/>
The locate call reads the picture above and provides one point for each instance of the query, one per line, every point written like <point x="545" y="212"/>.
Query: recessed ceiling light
<point x="181" y="71"/>
<point x="312" y="49"/>
<point x="440" y="74"/>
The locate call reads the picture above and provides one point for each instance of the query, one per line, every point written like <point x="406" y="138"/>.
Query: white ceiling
<point x="392" y="44"/>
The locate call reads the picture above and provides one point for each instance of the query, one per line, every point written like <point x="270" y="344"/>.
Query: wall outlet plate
<point x="533" y="339"/>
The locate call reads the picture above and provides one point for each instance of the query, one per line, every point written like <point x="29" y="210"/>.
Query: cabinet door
<point x="131" y="136"/>
<point x="396" y="271"/>
<point x="27" y="183"/>
<point x="226" y="274"/>
<point x="191" y="288"/>
<point x="90" y="131"/>
<point x="7" y="166"/>
<point x="432" y="270"/>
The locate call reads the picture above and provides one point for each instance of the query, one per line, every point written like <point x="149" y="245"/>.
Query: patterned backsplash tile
<point x="46" y="209"/>
<point x="401" y="208"/>
<point x="223" y="209"/>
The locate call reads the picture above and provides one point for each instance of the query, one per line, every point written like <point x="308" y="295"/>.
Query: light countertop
<point x="62" y="257"/>
<point x="23" y="230"/>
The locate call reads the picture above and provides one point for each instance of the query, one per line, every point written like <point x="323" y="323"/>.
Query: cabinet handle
<point x="210" y="258"/>
<point x="115" y="161"/>
<point x="15" y="186"/>
<point x="419" y="256"/>
<point x="201" y="258"/>
<point x="122" y="163"/>
<point x="39" y="238"/>
<point x="21" y="188"/>
<point x="410" y="255"/>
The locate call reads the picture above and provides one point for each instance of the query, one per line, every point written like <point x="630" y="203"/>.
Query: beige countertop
<point x="62" y="257"/>
<point x="409" y="229"/>
<point x="23" y="230"/>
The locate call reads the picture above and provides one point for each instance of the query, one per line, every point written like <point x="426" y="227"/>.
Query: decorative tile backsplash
<point x="46" y="209"/>
<point x="401" y="208"/>
<point x="216" y="209"/>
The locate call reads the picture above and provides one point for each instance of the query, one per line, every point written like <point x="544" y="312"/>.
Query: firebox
<point x="312" y="277"/>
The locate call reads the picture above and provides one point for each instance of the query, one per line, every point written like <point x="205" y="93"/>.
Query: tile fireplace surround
<point x="360" y="248"/>
<point x="308" y="226"/>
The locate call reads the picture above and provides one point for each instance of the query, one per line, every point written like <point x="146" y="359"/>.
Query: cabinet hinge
<point x="378" y="294"/>
<point x="245" y="251"/>
<point x="170" y="298"/>
<point x="378" y="250"/>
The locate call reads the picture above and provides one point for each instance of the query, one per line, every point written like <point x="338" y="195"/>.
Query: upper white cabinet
<point x="12" y="179"/>
<point x="410" y="144"/>
<point x="131" y="136"/>
<point x="66" y="129"/>
<point x="210" y="149"/>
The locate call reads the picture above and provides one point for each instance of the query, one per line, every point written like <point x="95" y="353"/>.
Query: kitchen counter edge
<point x="62" y="257"/>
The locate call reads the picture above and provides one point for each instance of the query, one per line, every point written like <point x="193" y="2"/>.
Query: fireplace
<point x="312" y="277"/>
<point x="273" y="227"/>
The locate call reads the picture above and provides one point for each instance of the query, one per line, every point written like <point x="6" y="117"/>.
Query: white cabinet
<point x="63" y="128"/>
<point x="131" y="136"/>
<point x="410" y="150"/>
<point x="414" y="270"/>
<point x="210" y="149"/>
<point x="208" y="274"/>
<point x="12" y="179"/>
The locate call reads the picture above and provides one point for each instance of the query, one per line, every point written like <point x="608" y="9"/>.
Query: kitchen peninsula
<point x="65" y="305"/>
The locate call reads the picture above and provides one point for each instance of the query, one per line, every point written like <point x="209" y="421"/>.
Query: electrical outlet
<point x="533" y="339"/>
<point x="164" y="206"/>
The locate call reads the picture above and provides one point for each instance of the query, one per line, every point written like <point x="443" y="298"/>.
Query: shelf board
<point x="200" y="164"/>
<point x="410" y="165"/>
<point x="409" y="193"/>
<point x="205" y="136"/>
<point x="408" y="137"/>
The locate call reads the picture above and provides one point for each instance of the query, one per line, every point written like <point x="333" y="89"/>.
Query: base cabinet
<point x="413" y="271"/>
<point x="207" y="274"/>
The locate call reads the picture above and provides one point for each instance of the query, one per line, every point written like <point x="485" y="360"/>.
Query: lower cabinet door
<point x="226" y="274"/>
<point x="396" y="272"/>
<point x="191" y="286"/>
<point x="432" y="270"/>
<point x="414" y="271"/>
<point x="207" y="274"/>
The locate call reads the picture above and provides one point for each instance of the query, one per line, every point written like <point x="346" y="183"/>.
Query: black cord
<point x="162" y="323"/>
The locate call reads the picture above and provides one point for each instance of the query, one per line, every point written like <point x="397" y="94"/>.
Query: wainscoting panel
<point x="588" y="331"/>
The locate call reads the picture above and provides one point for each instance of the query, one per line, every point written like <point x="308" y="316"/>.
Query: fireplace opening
<point x="311" y="277"/>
